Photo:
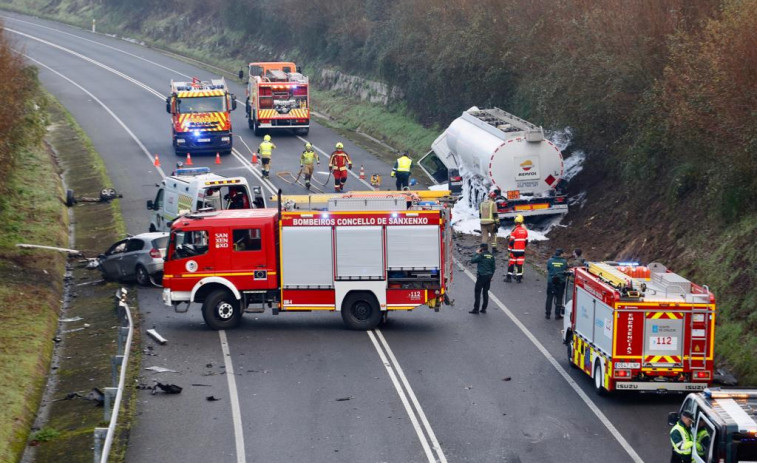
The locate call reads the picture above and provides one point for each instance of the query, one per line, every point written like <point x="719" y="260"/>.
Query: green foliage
<point x="45" y="435"/>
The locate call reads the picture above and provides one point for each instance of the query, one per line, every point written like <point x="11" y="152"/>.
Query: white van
<point x="197" y="189"/>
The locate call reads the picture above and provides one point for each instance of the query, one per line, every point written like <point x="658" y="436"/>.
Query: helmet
<point x="339" y="146"/>
<point x="492" y="194"/>
<point x="267" y="138"/>
<point x="519" y="218"/>
<point x="308" y="146"/>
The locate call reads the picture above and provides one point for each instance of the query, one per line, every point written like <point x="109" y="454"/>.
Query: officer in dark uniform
<point x="556" y="268"/>
<point x="484" y="273"/>
<point x="681" y="439"/>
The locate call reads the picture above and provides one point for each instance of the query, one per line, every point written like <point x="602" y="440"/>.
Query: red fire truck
<point x="361" y="263"/>
<point x="639" y="328"/>
<point x="277" y="98"/>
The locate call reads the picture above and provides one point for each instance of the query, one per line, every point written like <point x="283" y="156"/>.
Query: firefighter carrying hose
<point x="516" y="244"/>
<point x="338" y="164"/>
<point x="308" y="159"/>
<point x="401" y="171"/>
<point x="264" y="150"/>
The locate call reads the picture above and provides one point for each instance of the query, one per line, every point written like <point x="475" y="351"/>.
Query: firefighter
<point x="264" y="150"/>
<point x="681" y="439"/>
<point x="307" y="160"/>
<point x="338" y="164"/>
<point x="556" y="271"/>
<point x="487" y="212"/>
<point x="484" y="273"/>
<point x="401" y="171"/>
<point x="516" y="245"/>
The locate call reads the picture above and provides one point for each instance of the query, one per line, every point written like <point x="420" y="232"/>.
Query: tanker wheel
<point x="360" y="311"/>
<point x="221" y="310"/>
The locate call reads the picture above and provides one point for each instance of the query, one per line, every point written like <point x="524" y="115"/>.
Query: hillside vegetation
<point x="662" y="94"/>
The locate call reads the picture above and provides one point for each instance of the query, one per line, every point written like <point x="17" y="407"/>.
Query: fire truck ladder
<point x="700" y="330"/>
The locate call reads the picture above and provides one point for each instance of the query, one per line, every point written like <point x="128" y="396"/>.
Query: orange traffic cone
<point x="156" y="162"/>
<point x="218" y="158"/>
<point x="189" y="160"/>
<point x="254" y="158"/>
<point x="362" y="172"/>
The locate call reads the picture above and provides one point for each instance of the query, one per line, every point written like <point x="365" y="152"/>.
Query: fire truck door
<point x="250" y="259"/>
<point x="663" y="336"/>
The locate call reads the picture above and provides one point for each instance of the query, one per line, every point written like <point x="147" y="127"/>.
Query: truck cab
<point x="724" y="427"/>
<point x="196" y="189"/>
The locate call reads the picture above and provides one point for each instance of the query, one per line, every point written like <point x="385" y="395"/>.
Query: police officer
<point x="401" y="171"/>
<point x="308" y="159"/>
<point x="556" y="268"/>
<point x="265" y="150"/>
<point x="489" y="221"/>
<point x="681" y="439"/>
<point x="484" y="273"/>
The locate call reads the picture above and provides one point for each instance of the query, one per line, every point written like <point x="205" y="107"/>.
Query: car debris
<point x="167" y="388"/>
<point x="155" y="335"/>
<point x="157" y="369"/>
<point x="211" y="398"/>
<point x="106" y="195"/>
<point x="343" y="399"/>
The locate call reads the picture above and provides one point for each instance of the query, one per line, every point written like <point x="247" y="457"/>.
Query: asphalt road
<point x="427" y="386"/>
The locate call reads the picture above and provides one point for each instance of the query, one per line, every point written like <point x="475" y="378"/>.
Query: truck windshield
<point x="204" y="104"/>
<point x="746" y="447"/>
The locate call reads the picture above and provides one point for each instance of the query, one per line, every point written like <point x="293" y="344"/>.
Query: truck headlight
<point x="180" y="141"/>
<point x="225" y="139"/>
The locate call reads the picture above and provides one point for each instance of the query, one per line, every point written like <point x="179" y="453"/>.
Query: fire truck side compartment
<point x="359" y="253"/>
<point x="307" y="257"/>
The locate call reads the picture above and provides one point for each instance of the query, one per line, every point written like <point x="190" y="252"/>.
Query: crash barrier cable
<point x="104" y="436"/>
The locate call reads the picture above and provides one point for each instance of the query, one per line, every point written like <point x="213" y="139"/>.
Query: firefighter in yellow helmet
<point x="308" y="159"/>
<point x="338" y="164"/>
<point x="265" y="150"/>
<point x="516" y="244"/>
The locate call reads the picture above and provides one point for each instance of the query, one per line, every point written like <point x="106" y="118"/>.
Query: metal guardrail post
<point x="123" y="333"/>
<point x="108" y="395"/>
<point x="100" y="434"/>
<point x="115" y="362"/>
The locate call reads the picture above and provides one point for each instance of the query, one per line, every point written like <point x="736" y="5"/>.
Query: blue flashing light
<point x="394" y="214"/>
<point x="193" y="171"/>
<point x="196" y="133"/>
<point x="325" y="215"/>
<point x="628" y="264"/>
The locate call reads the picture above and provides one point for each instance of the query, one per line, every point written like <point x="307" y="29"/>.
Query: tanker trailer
<point x="490" y="149"/>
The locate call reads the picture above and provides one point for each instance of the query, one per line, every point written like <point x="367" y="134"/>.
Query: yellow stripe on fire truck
<point x="273" y="114"/>
<point x="665" y="315"/>
<point x="199" y="93"/>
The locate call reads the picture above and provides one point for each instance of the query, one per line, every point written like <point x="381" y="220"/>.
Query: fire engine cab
<point x="639" y="328"/>
<point x="355" y="259"/>
<point x="200" y="116"/>
<point x="277" y="97"/>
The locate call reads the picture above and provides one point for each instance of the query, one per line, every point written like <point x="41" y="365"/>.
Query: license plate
<point x="627" y="365"/>
<point x="203" y="140"/>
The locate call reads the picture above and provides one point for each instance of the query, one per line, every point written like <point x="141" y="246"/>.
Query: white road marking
<point x="403" y="398"/>
<point x="589" y="403"/>
<point x="236" y="411"/>
<point x="104" y="106"/>
<point x="430" y="432"/>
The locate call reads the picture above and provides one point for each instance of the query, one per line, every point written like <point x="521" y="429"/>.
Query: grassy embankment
<point x="653" y="119"/>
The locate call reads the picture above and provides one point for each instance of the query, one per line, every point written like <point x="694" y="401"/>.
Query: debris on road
<point x="155" y="335"/>
<point x="66" y="320"/>
<point x="97" y="396"/>
<point x="342" y="399"/>
<point x="167" y="388"/>
<point x="211" y="398"/>
<point x="506" y="378"/>
<point x="203" y="385"/>
<point x="161" y="370"/>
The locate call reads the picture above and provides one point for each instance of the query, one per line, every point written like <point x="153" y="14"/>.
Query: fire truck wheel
<point x="598" y="379"/>
<point x="221" y="310"/>
<point x="360" y="311"/>
<point x="256" y="129"/>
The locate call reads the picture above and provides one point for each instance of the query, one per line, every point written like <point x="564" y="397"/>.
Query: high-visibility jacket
<point x="487" y="210"/>
<point x="266" y="148"/>
<point x="307" y="158"/>
<point x="403" y="164"/>
<point x="518" y="238"/>
<point x="703" y="441"/>
<point x="339" y="160"/>
<point x="680" y="439"/>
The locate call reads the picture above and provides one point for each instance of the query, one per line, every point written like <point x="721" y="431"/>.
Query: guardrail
<point x="113" y="395"/>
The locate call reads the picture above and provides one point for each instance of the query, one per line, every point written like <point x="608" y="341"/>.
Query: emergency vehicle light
<point x="729" y="394"/>
<point x="702" y="375"/>
<point x="193" y="171"/>
<point x="628" y="264"/>
<point x="325" y="215"/>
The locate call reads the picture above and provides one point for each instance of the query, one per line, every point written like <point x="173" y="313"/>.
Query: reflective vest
<point x="702" y="440"/>
<point x="518" y="238"/>
<point x="686" y="443"/>
<point x="266" y="148"/>
<point x="308" y="158"/>
<point x="339" y="160"/>
<point x="486" y="210"/>
<point x="403" y="164"/>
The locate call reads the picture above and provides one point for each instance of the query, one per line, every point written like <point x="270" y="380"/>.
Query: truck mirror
<point x="233" y="102"/>
<point x="299" y="69"/>
<point x="241" y="74"/>
<point x="149" y="204"/>
<point x="168" y="105"/>
<point x="672" y="418"/>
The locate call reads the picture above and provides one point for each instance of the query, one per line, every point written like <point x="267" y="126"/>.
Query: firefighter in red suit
<point x="338" y="164"/>
<point x="516" y="244"/>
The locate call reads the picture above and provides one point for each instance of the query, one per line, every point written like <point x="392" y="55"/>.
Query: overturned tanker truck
<point x="487" y="150"/>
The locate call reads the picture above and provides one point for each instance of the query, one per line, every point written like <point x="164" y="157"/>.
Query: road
<point x="427" y="386"/>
